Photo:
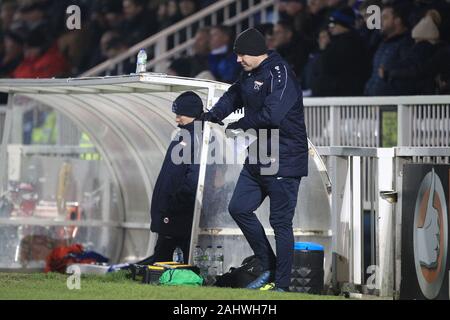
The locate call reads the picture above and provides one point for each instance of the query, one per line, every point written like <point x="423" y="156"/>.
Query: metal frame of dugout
<point x="130" y="124"/>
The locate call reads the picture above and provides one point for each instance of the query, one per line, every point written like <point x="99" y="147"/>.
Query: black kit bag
<point x="240" y="277"/>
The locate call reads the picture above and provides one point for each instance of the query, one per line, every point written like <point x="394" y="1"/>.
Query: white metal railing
<point x="345" y="169"/>
<point x="177" y="39"/>
<point x="2" y="120"/>
<point x="358" y="121"/>
<point x="418" y="121"/>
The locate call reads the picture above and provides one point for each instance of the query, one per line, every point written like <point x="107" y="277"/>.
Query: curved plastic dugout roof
<point x="130" y="122"/>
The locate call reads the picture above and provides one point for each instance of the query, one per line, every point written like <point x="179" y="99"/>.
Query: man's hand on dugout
<point x="232" y="130"/>
<point x="208" y="116"/>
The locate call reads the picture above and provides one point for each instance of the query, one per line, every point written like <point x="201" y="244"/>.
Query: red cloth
<point x="58" y="260"/>
<point x="51" y="64"/>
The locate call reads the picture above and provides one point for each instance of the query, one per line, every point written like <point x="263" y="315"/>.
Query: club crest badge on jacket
<point x="257" y="85"/>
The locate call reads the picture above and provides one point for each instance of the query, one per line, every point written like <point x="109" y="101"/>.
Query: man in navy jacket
<point x="173" y="197"/>
<point x="272" y="99"/>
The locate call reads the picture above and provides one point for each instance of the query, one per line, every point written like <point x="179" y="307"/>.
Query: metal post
<point x="385" y="157"/>
<point x="403" y="125"/>
<point x="399" y="163"/>
<point x="335" y="124"/>
<point x="338" y="167"/>
<point x="201" y="179"/>
<point x="160" y="48"/>
<point x="357" y="226"/>
<point x="4" y="145"/>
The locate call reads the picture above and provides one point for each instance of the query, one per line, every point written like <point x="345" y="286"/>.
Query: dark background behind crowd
<point x="327" y="42"/>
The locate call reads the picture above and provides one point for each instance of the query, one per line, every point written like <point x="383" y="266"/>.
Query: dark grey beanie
<point x="188" y="104"/>
<point x="250" y="42"/>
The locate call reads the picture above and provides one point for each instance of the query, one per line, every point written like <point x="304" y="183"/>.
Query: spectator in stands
<point x="77" y="44"/>
<point x="319" y="18"/>
<point x="294" y="49"/>
<point x="168" y="14"/>
<point x="199" y="61"/>
<point x="343" y="65"/>
<point x="195" y="66"/>
<point x="180" y="67"/>
<point x="266" y="30"/>
<point x="161" y="15"/>
<point x="333" y="5"/>
<point x="420" y="7"/>
<point x="426" y="37"/>
<point x="7" y="10"/>
<point x="113" y="13"/>
<point x="371" y="37"/>
<point x="33" y="13"/>
<point x="12" y="54"/>
<point x="98" y="54"/>
<point x="187" y="8"/>
<point x="392" y="51"/>
<point x="288" y="9"/>
<point x="114" y="46"/>
<point x="312" y="70"/>
<point x="295" y="12"/>
<point x="139" y="23"/>
<point x="94" y="27"/>
<point x="440" y="62"/>
<point x="42" y="58"/>
<point x="221" y="60"/>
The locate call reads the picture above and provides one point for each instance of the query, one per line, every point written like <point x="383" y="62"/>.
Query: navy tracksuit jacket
<point x="173" y="197"/>
<point x="272" y="99"/>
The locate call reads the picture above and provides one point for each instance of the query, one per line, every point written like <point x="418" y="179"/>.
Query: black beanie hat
<point x="188" y="104"/>
<point x="344" y="17"/>
<point x="250" y="42"/>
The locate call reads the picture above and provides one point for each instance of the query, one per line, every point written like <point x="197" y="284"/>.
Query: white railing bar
<point x="176" y="38"/>
<point x="377" y="152"/>
<point x="263" y="16"/>
<point x="33" y="221"/>
<point x="190" y="42"/>
<point x="226" y="13"/>
<point x="154" y="39"/>
<point x="189" y="34"/>
<point x="422" y="151"/>
<point x="447" y="120"/>
<point x="376" y="101"/>
<point x="249" y="12"/>
<point x="171" y="52"/>
<point x="347" y="151"/>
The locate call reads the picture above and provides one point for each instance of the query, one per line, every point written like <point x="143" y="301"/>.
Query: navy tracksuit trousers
<point x="251" y="190"/>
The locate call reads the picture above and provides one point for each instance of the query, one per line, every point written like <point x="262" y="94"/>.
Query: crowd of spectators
<point x="408" y="55"/>
<point x="36" y="43"/>
<point x="327" y="42"/>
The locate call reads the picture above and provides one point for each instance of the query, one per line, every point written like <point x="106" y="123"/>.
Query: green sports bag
<point x="180" y="277"/>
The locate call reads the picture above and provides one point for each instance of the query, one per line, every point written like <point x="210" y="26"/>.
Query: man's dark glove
<point x="233" y="126"/>
<point x="232" y="130"/>
<point x="208" y="116"/>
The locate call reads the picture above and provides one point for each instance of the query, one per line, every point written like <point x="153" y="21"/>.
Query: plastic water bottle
<point x="198" y="259"/>
<point x="208" y="260"/>
<point x="218" y="259"/>
<point x="198" y="256"/>
<point x="178" y="255"/>
<point x="141" y="63"/>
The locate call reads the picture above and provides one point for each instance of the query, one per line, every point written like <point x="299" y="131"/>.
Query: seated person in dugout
<point x="173" y="199"/>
